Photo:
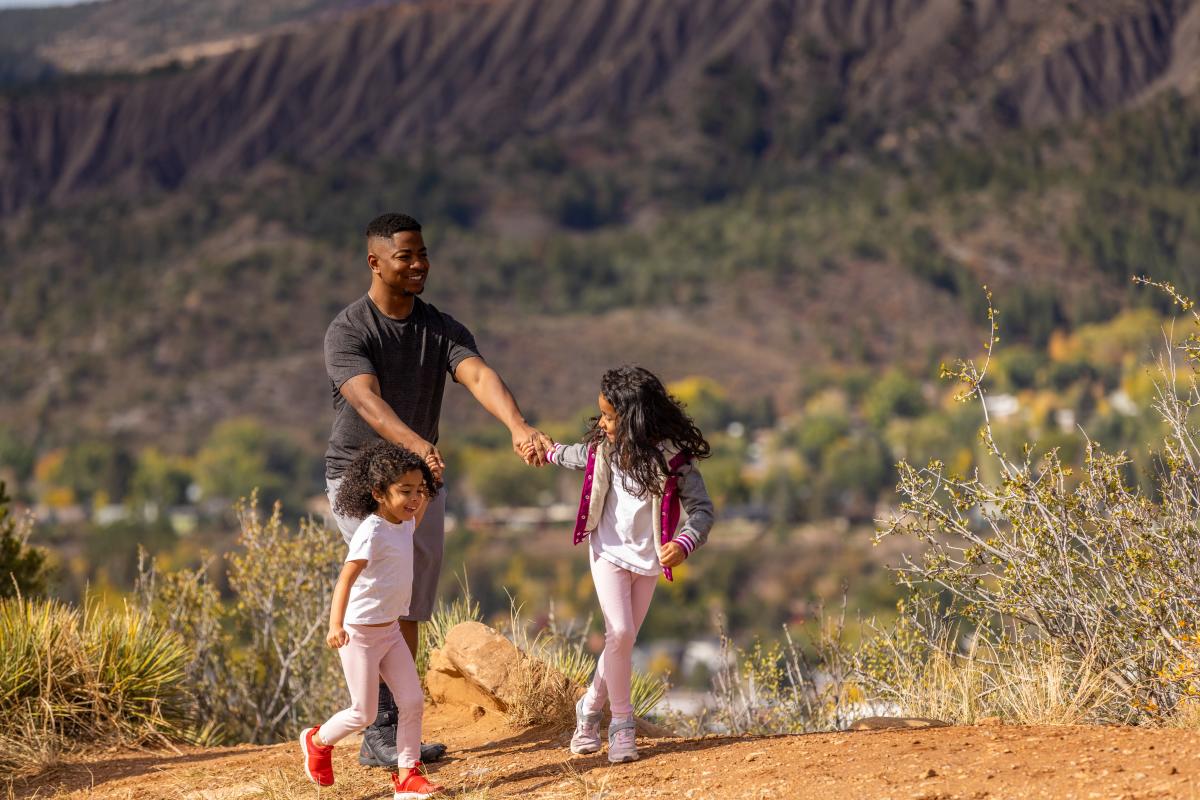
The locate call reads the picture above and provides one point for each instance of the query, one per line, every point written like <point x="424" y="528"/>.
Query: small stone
<point x="929" y="773"/>
<point x="1174" y="771"/>
<point x="754" y="756"/>
<point x="893" y="723"/>
<point x="477" y="712"/>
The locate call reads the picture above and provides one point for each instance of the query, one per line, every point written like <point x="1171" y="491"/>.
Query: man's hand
<point x="672" y="555"/>
<point x="531" y="445"/>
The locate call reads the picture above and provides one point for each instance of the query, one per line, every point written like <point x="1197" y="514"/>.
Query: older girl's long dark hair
<point x="647" y="417"/>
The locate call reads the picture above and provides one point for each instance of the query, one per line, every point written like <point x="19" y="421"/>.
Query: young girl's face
<point x="403" y="499"/>
<point x="608" y="419"/>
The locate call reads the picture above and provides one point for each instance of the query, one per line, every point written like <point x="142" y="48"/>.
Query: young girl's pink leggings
<point x="373" y="653"/>
<point x="624" y="600"/>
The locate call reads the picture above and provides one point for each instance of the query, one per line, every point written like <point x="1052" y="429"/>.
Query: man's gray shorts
<point x="427" y="550"/>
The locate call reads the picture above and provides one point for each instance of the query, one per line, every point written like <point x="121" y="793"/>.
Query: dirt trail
<point x="492" y="760"/>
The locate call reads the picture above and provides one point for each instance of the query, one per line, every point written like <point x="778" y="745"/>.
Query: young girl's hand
<point x="435" y="464"/>
<point x="337" y="637"/>
<point x="672" y="555"/>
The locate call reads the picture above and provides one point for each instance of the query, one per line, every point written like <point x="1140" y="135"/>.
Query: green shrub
<point x="259" y="666"/>
<point x="23" y="568"/>
<point x="1088" y="566"/>
<point x="84" y="677"/>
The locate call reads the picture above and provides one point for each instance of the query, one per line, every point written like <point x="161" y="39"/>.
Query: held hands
<point x="531" y="445"/>
<point x="528" y="452"/>
<point x="337" y="637"/>
<point x="672" y="555"/>
<point x="435" y="464"/>
<point x="429" y="453"/>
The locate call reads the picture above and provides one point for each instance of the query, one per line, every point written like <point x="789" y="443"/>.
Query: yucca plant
<point x="93" y="676"/>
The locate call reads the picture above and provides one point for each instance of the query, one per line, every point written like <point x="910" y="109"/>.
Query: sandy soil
<point x="491" y="760"/>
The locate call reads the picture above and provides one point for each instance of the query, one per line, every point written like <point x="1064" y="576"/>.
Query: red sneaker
<point x="413" y="785"/>
<point x="318" y="761"/>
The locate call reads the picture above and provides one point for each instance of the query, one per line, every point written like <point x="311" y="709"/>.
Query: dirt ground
<point x="490" y="760"/>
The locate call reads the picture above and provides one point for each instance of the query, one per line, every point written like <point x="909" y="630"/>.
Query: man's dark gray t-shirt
<point x="410" y="357"/>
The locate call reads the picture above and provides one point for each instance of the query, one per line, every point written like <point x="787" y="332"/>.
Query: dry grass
<point x="584" y="788"/>
<point x="1029" y="683"/>
<point x="542" y="695"/>
<point x="72" y="677"/>
<point x="1045" y="688"/>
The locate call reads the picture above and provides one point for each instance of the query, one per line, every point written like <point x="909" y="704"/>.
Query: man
<point x="388" y="354"/>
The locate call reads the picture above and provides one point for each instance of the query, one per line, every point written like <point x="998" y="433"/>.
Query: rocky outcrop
<point x="481" y="72"/>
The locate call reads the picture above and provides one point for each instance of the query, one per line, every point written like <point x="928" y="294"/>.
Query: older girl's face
<point x="608" y="419"/>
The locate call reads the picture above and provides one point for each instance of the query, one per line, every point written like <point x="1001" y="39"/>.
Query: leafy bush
<point x="731" y="107"/>
<point x="22" y="568"/>
<point x="1088" y="567"/>
<point x="259" y="667"/>
<point x="244" y="452"/>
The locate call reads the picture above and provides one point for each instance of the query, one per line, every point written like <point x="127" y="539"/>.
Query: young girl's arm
<point x="573" y="456"/>
<point x="341" y="597"/>
<point x="693" y="496"/>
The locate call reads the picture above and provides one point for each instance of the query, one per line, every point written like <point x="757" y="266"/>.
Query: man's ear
<point x="373" y="262"/>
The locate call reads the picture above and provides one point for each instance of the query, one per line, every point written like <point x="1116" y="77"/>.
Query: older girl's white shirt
<point x="383" y="590"/>
<point x="625" y="534"/>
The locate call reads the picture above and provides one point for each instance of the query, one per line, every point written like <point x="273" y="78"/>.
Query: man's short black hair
<point x="388" y="225"/>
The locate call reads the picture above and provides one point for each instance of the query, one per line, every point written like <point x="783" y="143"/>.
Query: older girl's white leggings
<point x="624" y="600"/>
<point x="373" y="653"/>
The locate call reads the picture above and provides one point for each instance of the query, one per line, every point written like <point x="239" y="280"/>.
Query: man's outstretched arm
<point x="363" y="394"/>
<point x="486" y="386"/>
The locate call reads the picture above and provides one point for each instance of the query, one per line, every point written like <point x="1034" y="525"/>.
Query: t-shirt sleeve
<point x="462" y="345"/>
<point x="346" y="354"/>
<point x="360" y="543"/>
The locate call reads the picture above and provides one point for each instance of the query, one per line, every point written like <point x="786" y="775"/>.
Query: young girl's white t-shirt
<point x="625" y="534"/>
<point x="384" y="587"/>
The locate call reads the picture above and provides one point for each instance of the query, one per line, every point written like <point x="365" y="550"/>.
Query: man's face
<point x="401" y="262"/>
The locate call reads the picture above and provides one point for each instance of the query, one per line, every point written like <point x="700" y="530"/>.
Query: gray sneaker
<point x="587" y="731"/>
<point x="622" y="741"/>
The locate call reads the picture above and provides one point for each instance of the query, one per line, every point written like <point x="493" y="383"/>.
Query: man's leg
<point x="412" y="635"/>
<point x="379" y="747"/>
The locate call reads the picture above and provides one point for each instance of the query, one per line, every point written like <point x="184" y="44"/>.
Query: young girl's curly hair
<point x="376" y="468"/>
<point x="647" y="417"/>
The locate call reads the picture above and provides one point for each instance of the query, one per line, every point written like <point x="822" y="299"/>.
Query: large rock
<point x="446" y="684"/>
<point x="486" y="659"/>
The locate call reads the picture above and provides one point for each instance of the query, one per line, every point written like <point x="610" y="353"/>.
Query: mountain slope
<point x="124" y="35"/>
<point x="482" y="71"/>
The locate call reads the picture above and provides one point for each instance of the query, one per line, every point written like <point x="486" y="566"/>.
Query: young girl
<point x="640" y="459"/>
<point x="388" y="487"/>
